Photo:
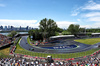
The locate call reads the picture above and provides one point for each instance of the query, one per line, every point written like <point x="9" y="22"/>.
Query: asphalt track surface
<point x="82" y="47"/>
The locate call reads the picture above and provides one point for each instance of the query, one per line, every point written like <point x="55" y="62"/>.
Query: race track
<point x="81" y="47"/>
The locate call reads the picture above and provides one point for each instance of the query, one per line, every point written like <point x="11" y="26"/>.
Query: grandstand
<point x="4" y="40"/>
<point x="90" y="61"/>
<point x="61" y="37"/>
<point x="27" y="60"/>
<point x="95" y="34"/>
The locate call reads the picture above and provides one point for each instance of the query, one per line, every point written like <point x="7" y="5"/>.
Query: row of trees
<point x="93" y="30"/>
<point x="48" y="27"/>
<point x="76" y="29"/>
<point x="36" y="35"/>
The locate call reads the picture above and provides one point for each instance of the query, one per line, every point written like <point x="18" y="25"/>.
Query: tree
<point x="35" y="33"/>
<point x="31" y="33"/>
<point x="59" y="30"/>
<point x="74" y="29"/>
<point x="38" y="35"/>
<point x="82" y="30"/>
<point x="48" y="27"/>
<point x="12" y="33"/>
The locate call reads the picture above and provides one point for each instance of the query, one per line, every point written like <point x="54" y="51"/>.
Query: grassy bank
<point x="19" y="47"/>
<point x="67" y="55"/>
<point x="30" y="41"/>
<point x="20" y="50"/>
<point x="89" y="41"/>
<point x="4" y="53"/>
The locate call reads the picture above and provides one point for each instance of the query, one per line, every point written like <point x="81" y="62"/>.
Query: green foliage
<point x="93" y="30"/>
<point x="57" y="33"/>
<point x="32" y="41"/>
<point x="65" y="32"/>
<point x="59" y="30"/>
<point x="88" y="34"/>
<point x="12" y="33"/>
<point x="31" y="32"/>
<point x="36" y="34"/>
<point x="48" y="27"/>
<point x="20" y="50"/>
<point x="82" y="30"/>
<point x="74" y="29"/>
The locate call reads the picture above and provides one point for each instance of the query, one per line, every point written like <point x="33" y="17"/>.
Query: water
<point x="17" y="32"/>
<point x="4" y="33"/>
<point x="22" y="32"/>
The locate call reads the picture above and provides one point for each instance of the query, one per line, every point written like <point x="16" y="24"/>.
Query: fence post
<point x="38" y="54"/>
<point x="61" y="56"/>
<point x="68" y="55"/>
<point x="71" y="55"/>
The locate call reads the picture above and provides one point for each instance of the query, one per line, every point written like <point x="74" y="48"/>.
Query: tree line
<point x="48" y="27"/>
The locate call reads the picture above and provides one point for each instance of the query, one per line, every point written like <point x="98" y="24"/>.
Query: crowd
<point x="93" y="61"/>
<point x="4" y="40"/>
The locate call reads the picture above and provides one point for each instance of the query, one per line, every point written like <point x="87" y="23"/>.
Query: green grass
<point x="4" y="53"/>
<point x="20" y="50"/>
<point x="68" y="55"/>
<point x="19" y="47"/>
<point x="28" y="40"/>
<point x="89" y="41"/>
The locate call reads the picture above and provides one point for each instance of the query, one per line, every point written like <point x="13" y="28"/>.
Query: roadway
<point x="82" y="47"/>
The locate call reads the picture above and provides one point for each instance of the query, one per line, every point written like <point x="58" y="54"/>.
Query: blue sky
<point x="24" y="13"/>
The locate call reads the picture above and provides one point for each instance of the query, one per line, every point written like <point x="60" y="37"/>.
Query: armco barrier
<point x="43" y="58"/>
<point x="13" y="47"/>
<point x="55" y="59"/>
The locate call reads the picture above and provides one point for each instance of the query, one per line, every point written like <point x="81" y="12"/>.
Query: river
<point x="6" y="33"/>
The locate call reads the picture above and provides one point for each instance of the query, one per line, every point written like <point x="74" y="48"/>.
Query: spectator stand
<point x="93" y="61"/>
<point x="4" y="41"/>
<point x="69" y="60"/>
<point x="13" y="47"/>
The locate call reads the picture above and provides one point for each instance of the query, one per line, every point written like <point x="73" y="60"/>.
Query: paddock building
<point x="95" y="34"/>
<point x="61" y="37"/>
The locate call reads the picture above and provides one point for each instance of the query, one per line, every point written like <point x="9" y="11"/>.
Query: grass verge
<point x="29" y="41"/>
<point x="20" y="50"/>
<point x="67" y="55"/>
<point x="19" y="47"/>
<point x="4" y="53"/>
<point x="90" y="41"/>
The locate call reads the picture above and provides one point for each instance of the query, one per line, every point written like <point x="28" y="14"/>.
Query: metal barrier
<point x="66" y="57"/>
<point x="61" y="56"/>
